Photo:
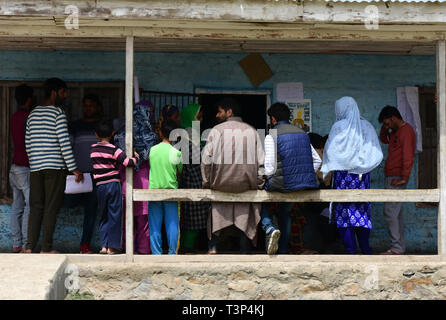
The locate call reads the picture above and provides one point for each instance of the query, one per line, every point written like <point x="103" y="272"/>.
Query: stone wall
<point x="264" y="280"/>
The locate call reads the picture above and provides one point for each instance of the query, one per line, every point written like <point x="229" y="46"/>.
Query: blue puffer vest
<point x="294" y="160"/>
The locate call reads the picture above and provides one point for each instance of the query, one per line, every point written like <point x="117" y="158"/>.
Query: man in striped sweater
<point x="50" y="155"/>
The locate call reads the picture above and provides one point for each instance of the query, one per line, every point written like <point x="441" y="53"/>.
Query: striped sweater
<point x="47" y="141"/>
<point x="106" y="159"/>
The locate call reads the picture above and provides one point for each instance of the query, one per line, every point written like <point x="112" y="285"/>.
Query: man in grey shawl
<point x="233" y="160"/>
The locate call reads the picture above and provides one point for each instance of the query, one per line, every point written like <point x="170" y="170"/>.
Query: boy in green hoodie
<point x="165" y="164"/>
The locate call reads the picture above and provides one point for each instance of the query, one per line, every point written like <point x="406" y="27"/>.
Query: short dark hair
<point x="23" y="93"/>
<point x="316" y="140"/>
<point x="53" y="84"/>
<point x="167" y="127"/>
<point x="93" y="97"/>
<point x="388" y="112"/>
<point x="230" y="103"/>
<point x="280" y="111"/>
<point x="104" y="128"/>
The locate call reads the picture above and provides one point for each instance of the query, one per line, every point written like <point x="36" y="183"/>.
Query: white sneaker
<point x="272" y="242"/>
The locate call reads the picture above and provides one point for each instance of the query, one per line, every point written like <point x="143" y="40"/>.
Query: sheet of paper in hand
<point x="72" y="187"/>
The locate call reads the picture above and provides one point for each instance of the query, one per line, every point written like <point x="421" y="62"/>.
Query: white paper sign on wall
<point x="289" y="91"/>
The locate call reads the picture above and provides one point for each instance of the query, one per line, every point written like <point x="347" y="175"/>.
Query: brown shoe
<point x="17" y="250"/>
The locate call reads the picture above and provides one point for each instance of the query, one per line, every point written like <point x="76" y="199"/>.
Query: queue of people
<point x="232" y="159"/>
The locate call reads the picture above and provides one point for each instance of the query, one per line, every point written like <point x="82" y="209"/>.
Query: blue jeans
<point x="89" y="201"/>
<point x="110" y="208"/>
<point x="285" y="224"/>
<point x="170" y="212"/>
<point x="19" y="181"/>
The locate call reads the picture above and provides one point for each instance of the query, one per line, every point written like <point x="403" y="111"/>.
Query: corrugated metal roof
<point x="385" y="0"/>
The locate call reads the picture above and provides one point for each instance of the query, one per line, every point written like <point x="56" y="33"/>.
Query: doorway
<point x="253" y="106"/>
<point x="427" y="160"/>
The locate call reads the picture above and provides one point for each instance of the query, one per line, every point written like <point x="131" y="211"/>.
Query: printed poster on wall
<point x="301" y="114"/>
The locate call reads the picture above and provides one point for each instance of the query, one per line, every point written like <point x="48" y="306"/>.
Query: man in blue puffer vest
<point x="288" y="167"/>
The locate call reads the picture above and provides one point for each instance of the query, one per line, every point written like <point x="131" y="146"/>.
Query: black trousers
<point x="45" y="198"/>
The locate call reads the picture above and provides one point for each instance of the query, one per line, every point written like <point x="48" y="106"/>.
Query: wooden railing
<point x="369" y="195"/>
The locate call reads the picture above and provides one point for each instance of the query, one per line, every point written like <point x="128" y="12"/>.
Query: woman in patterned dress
<point x="352" y="151"/>
<point x="194" y="215"/>
<point x="353" y="218"/>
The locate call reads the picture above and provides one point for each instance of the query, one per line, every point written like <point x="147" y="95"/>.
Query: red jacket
<point x="402" y="144"/>
<point x="17" y="127"/>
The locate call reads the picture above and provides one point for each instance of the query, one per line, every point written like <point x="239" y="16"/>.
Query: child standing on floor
<point x="106" y="159"/>
<point x="165" y="165"/>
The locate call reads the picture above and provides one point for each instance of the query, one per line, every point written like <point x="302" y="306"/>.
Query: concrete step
<point x="32" y="276"/>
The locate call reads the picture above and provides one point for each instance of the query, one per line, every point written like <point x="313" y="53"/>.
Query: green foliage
<point x="79" y="296"/>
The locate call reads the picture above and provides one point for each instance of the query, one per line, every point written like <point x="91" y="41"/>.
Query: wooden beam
<point x="441" y="164"/>
<point x="129" y="147"/>
<point x="211" y="45"/>
<point x="329" y="33"/>
<point x="372" y="195"/>
<point x="88" y="22"/>
<point x="261" y="11"/>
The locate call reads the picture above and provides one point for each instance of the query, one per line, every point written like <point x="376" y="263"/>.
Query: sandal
<point x="113" y="251"/>
<point x="50" y="252"/>
<point x="390" y="252"/>
<point x="308" y="251"/>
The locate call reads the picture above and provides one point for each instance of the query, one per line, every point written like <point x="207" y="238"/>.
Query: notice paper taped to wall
<point x="290" y="91"/>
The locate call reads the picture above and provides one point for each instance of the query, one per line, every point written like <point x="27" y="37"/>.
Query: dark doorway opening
<point x="253" y="108"/>
<point x="427" y="160"/>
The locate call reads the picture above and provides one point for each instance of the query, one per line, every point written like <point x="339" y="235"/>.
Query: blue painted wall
<point x="370" y="79"/>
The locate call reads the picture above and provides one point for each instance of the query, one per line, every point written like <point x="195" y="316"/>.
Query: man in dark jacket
<point x="288" y="167"/>
<point x="82" y="136"/>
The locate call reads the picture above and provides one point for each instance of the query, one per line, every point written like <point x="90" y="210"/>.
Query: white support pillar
<point x="441" y="132"/>
<point x="129" y="147"/>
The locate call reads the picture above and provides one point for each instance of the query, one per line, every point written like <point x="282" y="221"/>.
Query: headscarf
<point x="352" y="144"/>
<point x="144" y="138"/>
<point x="189" y="114"/>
